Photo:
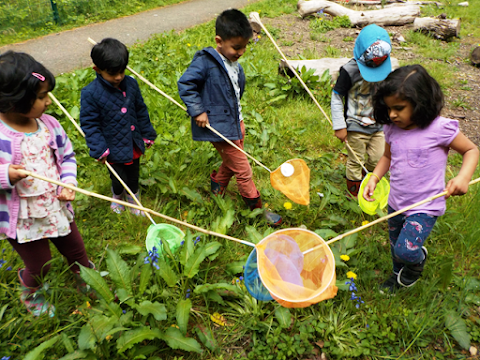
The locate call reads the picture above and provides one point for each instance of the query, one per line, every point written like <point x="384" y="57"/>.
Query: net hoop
<point x="311" y="300"/>
<point x="380" y="195"/>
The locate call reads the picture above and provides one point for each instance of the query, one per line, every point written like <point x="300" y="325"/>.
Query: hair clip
<point x="39" y="76"/>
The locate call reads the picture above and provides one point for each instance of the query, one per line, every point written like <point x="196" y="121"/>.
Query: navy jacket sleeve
<point x="146" y="129"/>
<point x="190" y="85"/>
<point x="90" y="122"/>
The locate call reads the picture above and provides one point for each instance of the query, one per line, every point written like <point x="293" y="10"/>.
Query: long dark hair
<point x="413" y="84"/>
<point x="20" y="79"/>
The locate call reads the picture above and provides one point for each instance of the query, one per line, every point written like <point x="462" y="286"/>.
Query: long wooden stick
<point x="141" y="208"/>
<point x="125" y="186"/>
<point x="386" y="217"/>
<point x="185" y="109"/>
<point x="255" y="16"/>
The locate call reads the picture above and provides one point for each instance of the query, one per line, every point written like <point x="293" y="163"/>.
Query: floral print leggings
<point x="407" y="235"/>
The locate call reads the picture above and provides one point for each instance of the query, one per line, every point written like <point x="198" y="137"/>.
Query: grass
<point x="423" y="322"/>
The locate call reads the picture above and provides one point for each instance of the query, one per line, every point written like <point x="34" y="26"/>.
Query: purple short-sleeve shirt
<point x="417" y="168"/>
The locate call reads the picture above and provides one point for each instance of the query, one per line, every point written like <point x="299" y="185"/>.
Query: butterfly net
<point x="292" y="278"/>
<point x="292" y="178"/>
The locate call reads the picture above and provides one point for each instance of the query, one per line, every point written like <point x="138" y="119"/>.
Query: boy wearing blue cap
<point x="352" y="105"/>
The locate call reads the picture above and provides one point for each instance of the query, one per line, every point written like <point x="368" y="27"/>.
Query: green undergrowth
<point x="195" y="306"/>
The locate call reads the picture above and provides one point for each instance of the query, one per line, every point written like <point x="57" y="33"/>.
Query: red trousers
<point x="36" y="254"/>
<point x="235" y="163"/>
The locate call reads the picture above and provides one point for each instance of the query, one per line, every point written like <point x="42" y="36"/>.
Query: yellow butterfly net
<point x="292" y="278"/>
<point x="292" y="178"/>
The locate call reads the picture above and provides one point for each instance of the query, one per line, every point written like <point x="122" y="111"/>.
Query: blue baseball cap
<point x="372" y="53"/>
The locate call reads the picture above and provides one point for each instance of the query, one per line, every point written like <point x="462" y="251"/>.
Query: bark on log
<point x="320" y="65"/>
<point x="401" y="16"/>
<point x="442" y="29"/>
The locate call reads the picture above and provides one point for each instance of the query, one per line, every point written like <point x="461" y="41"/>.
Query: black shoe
<point x="390" y="285"/>
<point x="216" y="187"/>
<point x="410" y="274"/>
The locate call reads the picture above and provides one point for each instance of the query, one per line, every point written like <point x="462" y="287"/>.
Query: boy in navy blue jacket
<point x="115" y="118"/>
<point x="211" y="88"/>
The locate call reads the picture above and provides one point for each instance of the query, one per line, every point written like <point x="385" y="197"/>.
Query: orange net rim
<point x="329" y="251"/>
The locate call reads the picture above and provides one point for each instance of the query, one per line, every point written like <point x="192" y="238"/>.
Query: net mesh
<point x="296" y="186"/>
<point x="292" y="278"/>
<point x="380" y="195"/>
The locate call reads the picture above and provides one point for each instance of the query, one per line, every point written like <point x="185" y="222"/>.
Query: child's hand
<point x="14" y="175"/>
<point x="66" y="195"/>
<point x="457" y="186"/>
<point x="341" y="134"/>
<point x="370" y="188"/>
<point x="202" y="120"/>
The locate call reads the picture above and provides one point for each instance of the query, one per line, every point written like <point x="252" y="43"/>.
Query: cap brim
<point x="375" y="74"/>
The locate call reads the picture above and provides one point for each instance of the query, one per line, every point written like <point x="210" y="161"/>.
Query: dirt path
<point x="70" y="50"/>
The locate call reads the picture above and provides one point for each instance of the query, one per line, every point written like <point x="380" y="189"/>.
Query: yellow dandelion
<point x="259" y="36"/>
<point x="108" y="337"/>
<point x="218" y="319"/>
<point x="365" y="222"/>
<point x="88" y="305"/>
<point x="76" y="312"/>
<point x="351" y="274"/>
<point x="168" y="54"/>
<point x="142" y="72"/>
<point x="345" y="257"/>
<point x="265" y="205"/>
<point x="287" y="205"/>
<point x="185" y="213"/>
<point x="175" y="326"/>
<point x="189" y="45"/>
<point x="84" y="220"/>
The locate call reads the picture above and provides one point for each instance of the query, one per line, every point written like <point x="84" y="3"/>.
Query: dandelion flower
<point x="287" y="205"/>
<point x="259" y="36"/>
<point x="351" y="275"/>
<point x="218" y="319"/>
<point x="365" y="222"/>
<point x="345" y="257"/>
<point x="108" y="337"/>
<point x="189" y="45"/>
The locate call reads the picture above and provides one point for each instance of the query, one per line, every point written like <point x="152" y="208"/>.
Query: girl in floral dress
<point x="33" y="211"/>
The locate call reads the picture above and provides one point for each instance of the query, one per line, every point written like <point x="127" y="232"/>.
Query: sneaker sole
<point x="425" y="251"/>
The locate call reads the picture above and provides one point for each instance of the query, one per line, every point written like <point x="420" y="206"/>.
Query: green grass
<point x="21" y="20"/>
<point x="423" y="322"/>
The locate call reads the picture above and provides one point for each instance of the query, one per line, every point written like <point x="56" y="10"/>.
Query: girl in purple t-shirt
<point x="417" y="138"/>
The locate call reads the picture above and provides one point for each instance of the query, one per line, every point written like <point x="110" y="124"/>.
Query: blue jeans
<point x="407" y="236"/>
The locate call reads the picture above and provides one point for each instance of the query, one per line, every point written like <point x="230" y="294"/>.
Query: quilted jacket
<point x="114" y="119"/>
<point x="206" y="87"/>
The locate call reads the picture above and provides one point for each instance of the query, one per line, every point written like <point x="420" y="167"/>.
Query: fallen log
<point x="442" y="29"/>
<point x="401" y="16"/>
<point x="333" y="65"/>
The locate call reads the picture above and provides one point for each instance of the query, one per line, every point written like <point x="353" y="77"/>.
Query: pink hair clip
<point x="39" y="76"/>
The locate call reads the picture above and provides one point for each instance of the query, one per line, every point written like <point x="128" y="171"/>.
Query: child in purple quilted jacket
<point x="32" y="211"/>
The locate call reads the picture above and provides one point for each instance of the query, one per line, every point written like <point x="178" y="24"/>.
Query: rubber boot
<point x="217" y="187"/>
<point x="353" y="186"/>
<point x="131" y="200"/>
<point x="34" y="300"/>
<point x="117" y="208"/>
<point x="411" y="273"/>
<point x="273" y="220"/>
<point x="82" y="286"/>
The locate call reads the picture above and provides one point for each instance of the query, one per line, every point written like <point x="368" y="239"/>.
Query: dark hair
<point x="18" y="85"/>
<point x="110" y="55"/>
<point x="413" y="84"/>
<point x="233" y="23"/>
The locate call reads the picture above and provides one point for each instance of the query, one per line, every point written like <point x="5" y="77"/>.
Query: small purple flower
<point x="124" y="311"/>
<point x="152" y="258"/>
<point x="367" y="326"/>
<point x="6" y="358"/>
<point x="353" y="295"/>
<point x="2" y="262"/>
<point x="183" y="242"/>
<point x="9" y="268"/>
<point x="187" y="296"/>
<point x="241" y="278"/>
<point x="188" y="290"/>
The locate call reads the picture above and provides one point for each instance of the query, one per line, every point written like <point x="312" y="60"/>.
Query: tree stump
<point x="402" y="15"/>
<point x="442" y="29"/>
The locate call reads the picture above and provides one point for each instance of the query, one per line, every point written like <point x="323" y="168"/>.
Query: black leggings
<point x="129" y="174"/>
